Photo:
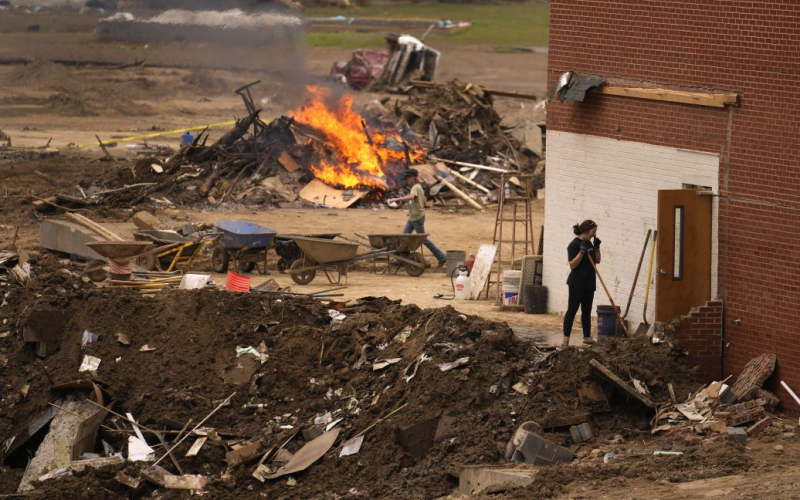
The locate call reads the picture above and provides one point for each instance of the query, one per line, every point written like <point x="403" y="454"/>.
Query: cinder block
<point x="473" y="480"/>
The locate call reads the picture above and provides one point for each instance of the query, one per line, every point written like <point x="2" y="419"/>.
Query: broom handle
<point x="616" y="311"/>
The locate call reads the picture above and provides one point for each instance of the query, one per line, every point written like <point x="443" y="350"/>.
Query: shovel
<point x="636" y="277"/>
<point x="610" y="299"/>
<point x="645" y="326"/>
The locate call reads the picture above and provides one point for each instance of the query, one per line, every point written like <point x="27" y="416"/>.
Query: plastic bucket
<point x="606" y="323"/>
<point x="535" y="299"/>
<point x="511" y="281"/>
<point x="454" y="259"/>
<point x="235" y="282"/>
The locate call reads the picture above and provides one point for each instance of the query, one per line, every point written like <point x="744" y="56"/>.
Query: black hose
<point x="452" y="284"/>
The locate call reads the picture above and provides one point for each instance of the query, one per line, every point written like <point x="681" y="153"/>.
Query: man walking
<point x="416" y="212"/>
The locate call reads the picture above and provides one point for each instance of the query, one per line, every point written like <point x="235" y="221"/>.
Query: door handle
<point x="662" y="272"/>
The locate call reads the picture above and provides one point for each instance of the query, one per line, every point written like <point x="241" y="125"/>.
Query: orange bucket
<point x="237" y="283"/>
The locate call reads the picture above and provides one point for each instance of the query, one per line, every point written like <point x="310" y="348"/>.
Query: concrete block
<point x="145" y="220"/>
<point x="739" y="434"/>
<point x="71" y="238"/>
<point x="473" y="480"/>
<point x="582" y="432"/>
<point x="539" y="451"/>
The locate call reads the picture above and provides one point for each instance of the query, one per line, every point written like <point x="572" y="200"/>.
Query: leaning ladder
<point x="511" y="212"/>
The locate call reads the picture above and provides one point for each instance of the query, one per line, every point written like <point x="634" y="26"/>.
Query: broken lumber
<point x="97" y="228"/>
<point x="461" y="194"/>
<point x="469" y="181"/>
<point x="621" y="383"/>
<point x="471" y="165"/>
<point x="493" y="92"/>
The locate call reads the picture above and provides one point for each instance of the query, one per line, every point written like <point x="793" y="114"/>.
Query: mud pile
<point x="424" y="421"/>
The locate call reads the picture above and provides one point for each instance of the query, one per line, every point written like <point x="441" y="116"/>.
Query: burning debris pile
<point x="268" y="162"/>
<point x="243" y="395"/>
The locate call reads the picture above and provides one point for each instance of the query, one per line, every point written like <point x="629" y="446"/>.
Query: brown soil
<point x="195" y="334"/>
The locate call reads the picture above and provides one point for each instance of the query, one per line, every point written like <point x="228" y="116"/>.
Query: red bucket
<point x="237" y="283"/>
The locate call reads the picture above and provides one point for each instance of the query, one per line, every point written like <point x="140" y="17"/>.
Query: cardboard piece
<point x="286" y="160"/>
<point x="320" y="193"/>
<point x="481" y="270"/>
<point x="308" y="454"/>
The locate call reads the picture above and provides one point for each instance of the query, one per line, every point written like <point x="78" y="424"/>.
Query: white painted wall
<point x="616" y="184"/>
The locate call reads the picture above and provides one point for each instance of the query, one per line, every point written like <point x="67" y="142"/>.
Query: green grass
<point x="498" y="25"/>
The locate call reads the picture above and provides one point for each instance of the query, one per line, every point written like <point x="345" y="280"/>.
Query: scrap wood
<point x="215" y="410"/>
<point x="621" y="383"/>
<point x="460" y="193"/>
<point x="97" y="228"/>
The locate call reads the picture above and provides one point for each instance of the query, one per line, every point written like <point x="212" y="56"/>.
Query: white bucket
<point x="511" y="281"/>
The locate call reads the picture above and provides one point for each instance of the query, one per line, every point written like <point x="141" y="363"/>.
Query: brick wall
<point x="700" y="334"/>
<point x="749" y="47"/>
<point x="615" y="183"/>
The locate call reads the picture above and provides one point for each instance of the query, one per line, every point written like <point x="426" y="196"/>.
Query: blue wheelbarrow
<point x="244" y="243"/>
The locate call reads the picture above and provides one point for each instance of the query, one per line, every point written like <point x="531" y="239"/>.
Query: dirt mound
<point x="315" y="365"/>
<point x="40" y="74"/>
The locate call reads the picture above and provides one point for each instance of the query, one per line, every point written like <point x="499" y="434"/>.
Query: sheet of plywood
<point x="481" y="269"/>
<point x="320" y="193"/>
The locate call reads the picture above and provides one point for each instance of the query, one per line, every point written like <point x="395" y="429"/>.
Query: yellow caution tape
<point x="135" y="137"/>
<point x="150" y="136"/>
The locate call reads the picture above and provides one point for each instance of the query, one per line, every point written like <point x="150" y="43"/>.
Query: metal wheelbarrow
<point x="171" y="249"/>
<point x="327" y="256"/>
<point x="404" y="246"/>
<point x="288" y="251"/>
<point x="246" y="243"/>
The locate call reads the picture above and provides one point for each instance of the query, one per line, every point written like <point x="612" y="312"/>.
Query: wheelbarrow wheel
<point x="220" y="259"/>
<point x="244" y="266"/>
<point x="147" y="261"/>
<point x="303" y="278"/>
<point x="418" y="267"/>
<point x="283" y="265"/>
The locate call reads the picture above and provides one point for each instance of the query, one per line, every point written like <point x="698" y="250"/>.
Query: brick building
<point x="633" y="158"/>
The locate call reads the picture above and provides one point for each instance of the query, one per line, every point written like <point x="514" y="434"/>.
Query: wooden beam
<point x="621" y="383"/>
<point x="719" y="100"/>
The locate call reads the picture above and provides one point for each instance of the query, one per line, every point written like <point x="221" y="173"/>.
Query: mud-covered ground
<point x="317" y="365"/>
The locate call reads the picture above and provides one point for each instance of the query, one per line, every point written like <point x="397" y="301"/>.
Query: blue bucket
<point x="606" y="323"/>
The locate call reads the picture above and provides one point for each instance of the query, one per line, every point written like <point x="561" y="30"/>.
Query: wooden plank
<point x="695" y="98"/>
<point x="320" y="193"/>
<point x="481" y="270"/>
<point x="288" y="162"/>
<point x="621" y="383"/>
<point x="464" y="196"/>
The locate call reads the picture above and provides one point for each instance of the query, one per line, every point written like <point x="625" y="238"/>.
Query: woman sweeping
<point x="582" y="280"/>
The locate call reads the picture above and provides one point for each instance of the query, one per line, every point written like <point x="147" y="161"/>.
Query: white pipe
<point x="790" y="391"/>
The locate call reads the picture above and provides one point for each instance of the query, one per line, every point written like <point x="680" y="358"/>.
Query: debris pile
<point x="461" y="123"/>
<point x="290" y="396"/>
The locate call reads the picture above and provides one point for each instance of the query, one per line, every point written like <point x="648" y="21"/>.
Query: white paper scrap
<point x="352" y="447"/>
<point x="90" y="364"/>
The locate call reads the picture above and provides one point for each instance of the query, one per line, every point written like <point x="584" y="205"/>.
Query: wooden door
<point x="683" y="277"/>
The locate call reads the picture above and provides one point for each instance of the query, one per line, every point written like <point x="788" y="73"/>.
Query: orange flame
<point x="359" y="163"/>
